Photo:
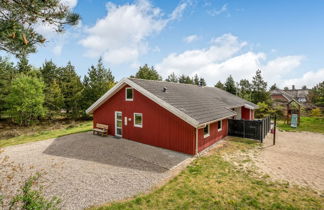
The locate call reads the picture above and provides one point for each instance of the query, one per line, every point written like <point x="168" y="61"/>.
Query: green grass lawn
<point x="210" y="182"/>
<point x="43" y="135"/>
<point x="311" y="124"/>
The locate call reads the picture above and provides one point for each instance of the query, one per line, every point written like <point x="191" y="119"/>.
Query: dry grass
<point x="211" y="182"/>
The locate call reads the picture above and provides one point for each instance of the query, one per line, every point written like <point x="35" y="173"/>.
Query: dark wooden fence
<point x="252" y="129"/>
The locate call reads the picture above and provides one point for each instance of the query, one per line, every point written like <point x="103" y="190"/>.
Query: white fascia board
<point x="106" y="96"/>
<point x="249" y="106"/>
<point x="163" y="104"/>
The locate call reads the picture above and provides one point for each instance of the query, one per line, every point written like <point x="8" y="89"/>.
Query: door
<point x="118" y="124"/>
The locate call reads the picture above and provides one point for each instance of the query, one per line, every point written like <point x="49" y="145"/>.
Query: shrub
<point x="263" y="110"/>
<point x="33" y="199"/>
<point x="316" y="112"/>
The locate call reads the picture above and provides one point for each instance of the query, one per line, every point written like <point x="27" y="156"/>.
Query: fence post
<point x="243" y="128"/>
<point x="261" y="135"/>
<point x="274" y="130"/>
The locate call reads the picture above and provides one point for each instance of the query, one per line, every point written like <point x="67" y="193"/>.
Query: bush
<point x="316" y="112"/>
<point x="25" y="100"/>
<point x="263" y="110"/>
<point x="31" y="199"/>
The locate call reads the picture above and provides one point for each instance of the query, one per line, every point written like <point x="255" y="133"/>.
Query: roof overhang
<point x="126" y="81"/>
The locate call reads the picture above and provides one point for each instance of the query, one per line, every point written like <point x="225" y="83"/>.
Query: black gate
<point x="252" y="129"/>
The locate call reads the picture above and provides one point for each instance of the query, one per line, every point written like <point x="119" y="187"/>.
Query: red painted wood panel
<point x="214" y="136"/>
<point x="160" y="127"/>
<point x="247" y="114"/>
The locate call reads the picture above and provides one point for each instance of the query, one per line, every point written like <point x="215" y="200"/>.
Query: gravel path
<point x="297" y="157"/>
<point x="85" y="170"/>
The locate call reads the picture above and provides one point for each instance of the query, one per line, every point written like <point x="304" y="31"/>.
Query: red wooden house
<point x="181" y="117"/>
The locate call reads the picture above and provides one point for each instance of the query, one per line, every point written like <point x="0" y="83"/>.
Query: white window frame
<point x="135" y="125"/>
<point x="129" y="99"/>
<point x="221" y="125"/>
<point x="207" y="134"/>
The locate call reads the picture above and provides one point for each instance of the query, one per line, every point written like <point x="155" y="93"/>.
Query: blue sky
<point x="211" y="38"/>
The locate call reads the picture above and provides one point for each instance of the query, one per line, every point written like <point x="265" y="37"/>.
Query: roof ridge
<point x="163" y="81"/>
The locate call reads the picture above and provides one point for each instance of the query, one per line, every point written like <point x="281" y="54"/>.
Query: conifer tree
<point x="7" y="74"/>
<point x="230" y="85"/>
<point x="71" y="88"/>
<point x="149" y="73"/>
<point x="259" y="89"/>
<point x="19" y="18"/>
<point x="220" y="85"/>
<point x="172" y="78"/>
<point x="96" y="83"/>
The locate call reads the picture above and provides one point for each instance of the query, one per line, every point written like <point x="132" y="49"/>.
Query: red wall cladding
<point x="214" y="136"/>
<point x="247" y="114"/>
<point x="160" y="127"/>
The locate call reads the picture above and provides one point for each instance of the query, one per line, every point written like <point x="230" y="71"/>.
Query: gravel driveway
<point x="297" y="157"/>
<point x="85" y="170"/>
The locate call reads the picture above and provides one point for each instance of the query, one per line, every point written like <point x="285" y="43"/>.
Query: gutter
<point x="202" y="125"/>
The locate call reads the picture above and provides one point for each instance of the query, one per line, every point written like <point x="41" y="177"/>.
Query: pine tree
<point x="230" y="85"/>
<point x="96" y="83"/>
<point x="172" y="78"/>
<point x="274" y="87"/>
<point x="196" y="80"/>
<point x="149" y="73"/>
<point x="71" y="88"/>
<point x="19" y="19"/>
<point x="49" y="72"/>
<point x="220" y="85"/>
<point x="54" y="100"/>
<point x="259" y="89"/>
<point x="7" y="74"/>
<point x="185" y="79"/>
<point x="245" y="89"/>
<point x="23" y="66"/>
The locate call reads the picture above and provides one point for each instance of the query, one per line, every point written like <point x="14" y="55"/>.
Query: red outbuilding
<point x="180" y="117"/>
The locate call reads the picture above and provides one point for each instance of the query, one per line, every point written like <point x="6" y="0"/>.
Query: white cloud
<point x="216" y="12"/>
<point x="70" y="3"/>
<point x="310" y="79"/>
<point x="120" y="37"/>
<point x="57" y="50"/>
<point x="178" y="11"/>
<point x="191" y="38"/>
<point x="227" y="55"/>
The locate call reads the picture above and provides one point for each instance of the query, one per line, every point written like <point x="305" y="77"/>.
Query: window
<point x="129" y="94"/>
<point x="206" y="130"/>
<point x="220" y="125"/>
<point x="138" y="120"/>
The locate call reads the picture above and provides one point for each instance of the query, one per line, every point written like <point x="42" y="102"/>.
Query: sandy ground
<point x="85" y="170"/>
<point x="297" y="157"/>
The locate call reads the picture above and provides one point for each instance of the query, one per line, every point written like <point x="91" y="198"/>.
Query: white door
<point x="118" y="124"/>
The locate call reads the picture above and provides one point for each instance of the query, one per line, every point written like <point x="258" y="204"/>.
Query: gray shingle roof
<point x="283" y="93"/>
<point x="203" y="104"/>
